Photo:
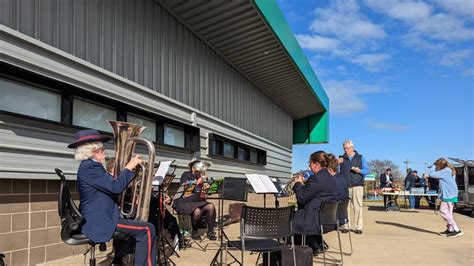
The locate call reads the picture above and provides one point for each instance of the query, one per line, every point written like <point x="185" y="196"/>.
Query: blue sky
<point x="399" y="75"/>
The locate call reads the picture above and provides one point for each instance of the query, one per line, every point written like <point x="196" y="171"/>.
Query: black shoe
<point x="359" y="232"/>
<point x="196" y="236"/>
<point x="183" y="245"/>
<point x="455" y="234"/>
<point x="325" y="246"/>
<point x="444" y="233"/>
<point x="344" y="230"/>
<point x="211" y="236"/>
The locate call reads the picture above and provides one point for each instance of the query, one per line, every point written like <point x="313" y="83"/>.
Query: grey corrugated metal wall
<point x="143" y="43"/>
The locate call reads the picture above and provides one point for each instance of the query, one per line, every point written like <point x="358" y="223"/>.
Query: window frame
<point x="69" y="92"/>
<point x="215" y="138"/>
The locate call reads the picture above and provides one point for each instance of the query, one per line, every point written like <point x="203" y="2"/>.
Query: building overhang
<point x="254" y="37"/>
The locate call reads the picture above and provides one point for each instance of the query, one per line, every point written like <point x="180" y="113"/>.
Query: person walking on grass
<point x="448" y="195"/>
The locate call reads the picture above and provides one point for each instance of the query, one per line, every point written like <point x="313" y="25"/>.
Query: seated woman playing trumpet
<point x="192" y="201"/>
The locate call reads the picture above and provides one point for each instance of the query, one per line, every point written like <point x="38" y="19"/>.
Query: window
<point x="23" y="93"/>
<point x="27" y="100"/>
<point x="92" y="115"/>
<point x="174" y="136"/>
<point x="150" y="131"/>
<point x="228" y="150"/>
<point x="222" y="147"/>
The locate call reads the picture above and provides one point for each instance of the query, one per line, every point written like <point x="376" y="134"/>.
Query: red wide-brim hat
<point x="85" y="136"/>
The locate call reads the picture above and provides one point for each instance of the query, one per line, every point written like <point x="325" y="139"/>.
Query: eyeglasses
<point x="348" y="148"/>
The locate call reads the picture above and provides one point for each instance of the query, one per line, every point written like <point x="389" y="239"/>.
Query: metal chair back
<point x="327" y="215"/>
<point x="342" y="210"/>
<point x="266" y="222"/>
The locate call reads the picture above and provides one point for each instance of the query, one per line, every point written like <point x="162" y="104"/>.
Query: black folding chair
<point x="342" y="214"/>
<point x="260" y="227"/>
<point x="328" y="222"/>
<point x="72" y="220"/>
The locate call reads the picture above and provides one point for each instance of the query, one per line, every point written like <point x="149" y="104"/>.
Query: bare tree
<point x="379" y="167"/>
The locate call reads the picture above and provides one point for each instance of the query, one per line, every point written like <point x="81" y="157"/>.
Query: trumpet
<point x="289" y="186"/>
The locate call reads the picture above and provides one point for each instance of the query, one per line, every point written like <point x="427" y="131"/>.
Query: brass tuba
<point x="135" y="200"/>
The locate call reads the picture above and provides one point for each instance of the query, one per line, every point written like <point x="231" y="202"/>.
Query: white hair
<point x="349" y="142"/>
<point x="85" y="151"/>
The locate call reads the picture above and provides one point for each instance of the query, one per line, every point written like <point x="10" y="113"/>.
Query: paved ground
<point x="393" y="238"/>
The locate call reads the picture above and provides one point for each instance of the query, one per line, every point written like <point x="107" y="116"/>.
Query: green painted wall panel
<point x="311" y="129"/>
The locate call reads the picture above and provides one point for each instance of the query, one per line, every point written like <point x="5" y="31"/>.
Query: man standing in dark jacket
<point x="353" y="167"/>
<point x="410" y="180"/>
<point x="386" y="181"/>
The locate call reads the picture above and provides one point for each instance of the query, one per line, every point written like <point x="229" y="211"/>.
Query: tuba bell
<point x="135" y="200"/>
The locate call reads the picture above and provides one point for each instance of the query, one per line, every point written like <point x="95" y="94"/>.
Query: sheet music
<point x="261" y="183"/>
<point x="161" y="173"/>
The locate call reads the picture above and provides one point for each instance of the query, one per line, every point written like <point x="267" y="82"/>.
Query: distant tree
<point x="379" y="166"/>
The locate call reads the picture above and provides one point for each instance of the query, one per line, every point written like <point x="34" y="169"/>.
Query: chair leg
<point x="293" y="247"/>
<point x="350" y="241"/>
<point x="92" y="259"/>
<point x="322" y="243"/>
<point x="340" y="245"/>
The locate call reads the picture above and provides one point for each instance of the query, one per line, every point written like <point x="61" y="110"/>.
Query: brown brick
<point x="59" y="251"/>
<point x="21" y="186"/>
<point x="52" y="219"/>
<point x="38" y="220"/>
<point x="13" y="203"/>
<point x="44" y="202"/>
<point x="20" y="257"/>
<point x="5" y="186"/>
<point x="53" y="186"/>
<point x="38" y="186"/>
<point x="13" y="241"/>
<point x="37" y="255"/>
<point x="43" y="237"/>
<point x="20" y="222"/>
<point x="6" y="223"/>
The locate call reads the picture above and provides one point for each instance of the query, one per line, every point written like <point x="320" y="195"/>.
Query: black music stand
<point x="233" y="188"/>
<point x="162" y="189"/>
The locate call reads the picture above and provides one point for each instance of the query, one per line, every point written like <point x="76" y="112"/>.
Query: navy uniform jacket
<point x="319" y="188"/>
<point x="97" y="190"/>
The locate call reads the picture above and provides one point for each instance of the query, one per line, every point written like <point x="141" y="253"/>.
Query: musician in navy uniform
<point x="97" y="193"/>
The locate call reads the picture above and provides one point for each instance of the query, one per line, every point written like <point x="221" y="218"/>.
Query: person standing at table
<point x="386" y="181"/>
<point x="409" y="184"/>
<point x="353" y="167"/>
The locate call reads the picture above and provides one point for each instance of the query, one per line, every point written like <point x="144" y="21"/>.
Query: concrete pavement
<point x="389" y="238"/>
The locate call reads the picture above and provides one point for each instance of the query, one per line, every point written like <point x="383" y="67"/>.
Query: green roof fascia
<point x="276" y="21"/>
<point x="311" y="129"/>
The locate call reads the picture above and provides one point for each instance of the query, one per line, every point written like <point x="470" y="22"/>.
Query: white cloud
<point x="317" y="43"/>
<point x="468" y="72"/>
<point x="388" y="126"/>
<point x="343" y="20"/>
<point x="422" y="19"/>
<point x="455" y="58"/>
<point x="346" y="97"/>
<point x="372" y="62"/>
<point x="419" y="44"/>
<point x="458" y="7"/>
<point x="406" y="11"/>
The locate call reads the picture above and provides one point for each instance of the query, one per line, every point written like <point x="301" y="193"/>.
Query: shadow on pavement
<point x="407" y="227"/>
